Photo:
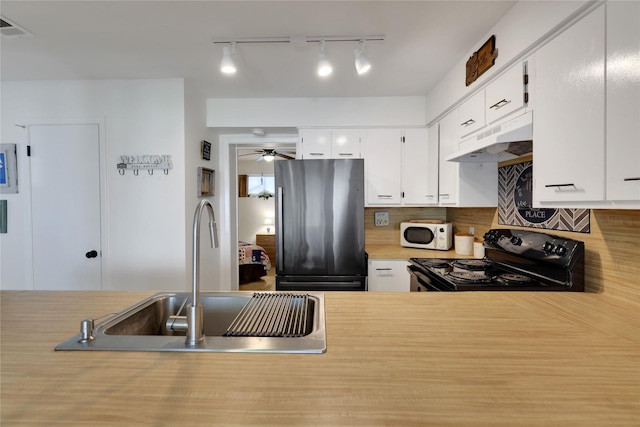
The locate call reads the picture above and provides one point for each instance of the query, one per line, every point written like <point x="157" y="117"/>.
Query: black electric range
<point x="515" y="260"/>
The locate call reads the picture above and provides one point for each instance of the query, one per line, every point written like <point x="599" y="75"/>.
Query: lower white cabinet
<point x="387" y="275"/>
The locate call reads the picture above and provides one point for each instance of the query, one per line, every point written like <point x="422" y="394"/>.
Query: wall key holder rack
<point x="148" y="162"/>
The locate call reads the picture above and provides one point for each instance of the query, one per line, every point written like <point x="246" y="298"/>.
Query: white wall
<point x="145" y="243"/>
<point x="301" y="112"/>
<point x="195" y="131"/>
<point x="523" y="26"/>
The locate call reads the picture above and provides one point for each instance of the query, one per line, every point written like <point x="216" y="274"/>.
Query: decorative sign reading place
<point x="481" y="60"/>
<point x="149" y="162"/>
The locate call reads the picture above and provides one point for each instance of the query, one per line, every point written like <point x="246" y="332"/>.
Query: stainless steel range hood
<point x="507" y="140"/>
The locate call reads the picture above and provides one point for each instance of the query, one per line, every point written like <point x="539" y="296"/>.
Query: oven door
<point x="419" y="282"/>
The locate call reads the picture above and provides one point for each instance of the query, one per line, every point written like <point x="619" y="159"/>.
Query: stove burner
<point x="513" y="279"/>
<point x="469" y="277"/>
<point x="472" y="264"/>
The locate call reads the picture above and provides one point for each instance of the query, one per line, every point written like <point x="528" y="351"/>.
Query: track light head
<point x="226" y="65"/>
<point x="324" y="67"/>
<point x="362" y="65"/>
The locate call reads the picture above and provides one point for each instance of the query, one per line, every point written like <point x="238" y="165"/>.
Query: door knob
<point x="91" y="254"/>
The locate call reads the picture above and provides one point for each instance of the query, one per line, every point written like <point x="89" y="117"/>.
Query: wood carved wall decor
<point x="481" y="60"/>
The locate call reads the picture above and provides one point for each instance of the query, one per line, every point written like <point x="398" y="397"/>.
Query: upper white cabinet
<point x="329" y="143"/>
<point x="586" y="131"/>
<point x="507" y="93"/>
<point x="401" y="167"/>
<point x="383" y="166"/>
<point x="471" y="114"/>
<point x="623" y="101"/>
<point x="419" y="168"/>
<point x="569" y="124"/>
<point x="463" y="184"/>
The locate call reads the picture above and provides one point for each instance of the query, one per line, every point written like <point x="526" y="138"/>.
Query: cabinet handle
<point x="316" y="154"/>
<point x="499" y="104"/>
<point x="383" y="269"/>
<point x="345" y="154"/>
<point x="468" y="122"/>
<point x="637" y="178"/>
<point x="384" y="196"/>
<point x="445" y="196"/>
<point x="561" y="185"/>
<point x="429" y="196"/>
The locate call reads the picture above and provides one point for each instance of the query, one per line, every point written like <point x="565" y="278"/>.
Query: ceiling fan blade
<point x="285" y="156"/>
<point x="259" y="159"/>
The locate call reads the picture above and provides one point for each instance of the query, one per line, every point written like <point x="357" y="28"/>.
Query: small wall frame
<point x="206" y="182"/>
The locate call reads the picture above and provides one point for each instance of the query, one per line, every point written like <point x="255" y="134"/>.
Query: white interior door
<point x="65" y="200"/>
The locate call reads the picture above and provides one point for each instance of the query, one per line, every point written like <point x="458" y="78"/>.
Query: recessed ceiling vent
<point x="11" y="30"/>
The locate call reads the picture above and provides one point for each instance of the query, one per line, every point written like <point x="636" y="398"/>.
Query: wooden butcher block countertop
<point x="393" y="359"/>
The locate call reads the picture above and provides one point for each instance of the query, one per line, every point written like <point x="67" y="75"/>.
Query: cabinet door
<point x="623" y="101"/>
<point x="345" y="143"/>
<point x="569" y="129"/>
<point x="418" y="166"/>
<point x="471" y="114"/>
<point x="448" y="175"/>
<point x="506" y="94"/>
<point x="315" y="143"/>
<point x="383" y="161"/>
<point x="388" y="276"/>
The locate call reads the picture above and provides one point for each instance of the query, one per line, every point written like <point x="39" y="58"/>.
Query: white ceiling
<point x="169" y="39"/>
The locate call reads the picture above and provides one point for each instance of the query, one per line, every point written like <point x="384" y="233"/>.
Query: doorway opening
<point x="246" y="215"/>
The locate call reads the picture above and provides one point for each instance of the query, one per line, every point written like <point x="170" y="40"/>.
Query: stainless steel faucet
<point x="195" y="319"/>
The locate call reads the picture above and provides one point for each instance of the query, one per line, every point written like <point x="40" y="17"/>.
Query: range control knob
<point x="491" y="236"/>
<point x="516" y="240"/>
<point x="561" y="250"/>
<point x="547" y="247"/>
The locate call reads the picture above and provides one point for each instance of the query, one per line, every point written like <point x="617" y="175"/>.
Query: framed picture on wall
<point x="206" y="182"/>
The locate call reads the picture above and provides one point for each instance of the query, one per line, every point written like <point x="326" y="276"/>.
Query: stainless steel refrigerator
<point x="320" y="225"/>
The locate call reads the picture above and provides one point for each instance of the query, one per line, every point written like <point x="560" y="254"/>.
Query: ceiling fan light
<point x="268" y="157"/>
<point x="226" y="65"/>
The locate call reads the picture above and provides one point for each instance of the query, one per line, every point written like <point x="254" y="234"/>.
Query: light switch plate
<point x="381" y="219"/>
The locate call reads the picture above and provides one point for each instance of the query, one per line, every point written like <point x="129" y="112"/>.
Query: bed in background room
<point x="253" y="262"/>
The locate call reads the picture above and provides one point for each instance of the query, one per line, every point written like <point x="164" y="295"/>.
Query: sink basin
<point x="142" y="327"/>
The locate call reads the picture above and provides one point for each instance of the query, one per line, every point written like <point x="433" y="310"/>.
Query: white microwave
<point x="426" y="236"/>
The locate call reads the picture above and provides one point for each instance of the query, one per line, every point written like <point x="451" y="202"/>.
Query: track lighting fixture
<point x="324" y="66"/>
<point x="226" y="65"/>
<point x="362" y="65"/>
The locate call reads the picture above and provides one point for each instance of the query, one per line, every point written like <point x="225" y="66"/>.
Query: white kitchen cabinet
<point x="569" y="125"/>
<point x="507" y="93"/>
<point x="329" y="143"/>
<point x="623" y="101"/>
<point x="388" y="275"/>
<point x="419" y="168"/>
<point x="345" y="143"/>
<point x="471" y="114"/>
<point x="383" y="166"/>
<point x="463" y="184"/>
<point x="400" y="167"/>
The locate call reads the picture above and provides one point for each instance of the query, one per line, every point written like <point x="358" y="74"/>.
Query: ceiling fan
<point x="269" y="154"/>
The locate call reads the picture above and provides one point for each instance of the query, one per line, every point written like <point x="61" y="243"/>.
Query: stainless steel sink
<point x="143" y="327"/>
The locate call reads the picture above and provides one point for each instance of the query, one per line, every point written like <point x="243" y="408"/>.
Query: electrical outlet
<point x="381" y="219"/>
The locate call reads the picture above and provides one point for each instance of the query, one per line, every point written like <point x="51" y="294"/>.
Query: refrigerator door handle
<point x="279" y="234"/>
